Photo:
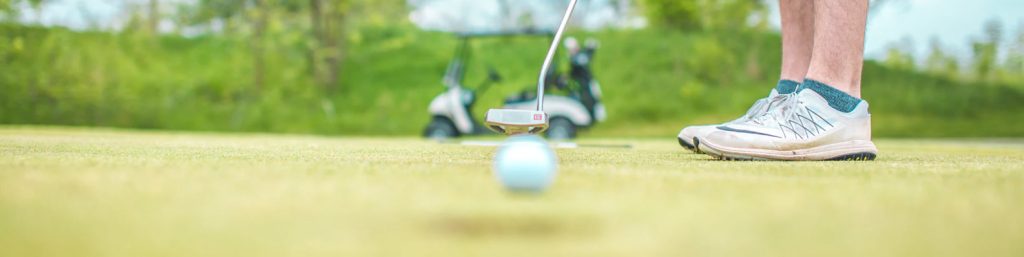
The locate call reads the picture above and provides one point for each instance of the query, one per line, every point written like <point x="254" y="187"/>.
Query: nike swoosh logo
<point x="745" y="131"/>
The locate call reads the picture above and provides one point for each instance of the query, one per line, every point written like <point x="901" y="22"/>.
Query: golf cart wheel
<point x="440" y="128"/>
<point x="561" y="129"/>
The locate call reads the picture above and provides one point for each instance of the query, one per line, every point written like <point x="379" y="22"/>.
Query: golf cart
<point x="573" y="104"/>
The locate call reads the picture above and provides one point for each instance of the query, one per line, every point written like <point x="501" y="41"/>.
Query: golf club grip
<point x="541" y="81"/>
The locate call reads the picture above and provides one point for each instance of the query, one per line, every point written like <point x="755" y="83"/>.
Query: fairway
<point x="101" y="192"/>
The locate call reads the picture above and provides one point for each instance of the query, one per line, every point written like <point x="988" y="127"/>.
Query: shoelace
<point x="758" y="109"/>
<point x="798" y="116"/>
<point x="775" y="102"/>
<point x="792" y="117"/>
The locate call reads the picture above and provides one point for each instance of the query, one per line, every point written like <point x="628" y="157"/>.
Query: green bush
<point x="673" y="13"/>
<point x="705" y="14"/>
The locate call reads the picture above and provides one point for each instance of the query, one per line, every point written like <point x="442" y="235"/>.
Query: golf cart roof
<point x="505" y="33"/>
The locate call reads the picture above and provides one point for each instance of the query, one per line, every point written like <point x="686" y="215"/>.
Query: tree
<point x="901" y="55"/>
<point x="259" y="16"/>
<point x="332" y="21"/>
<point x="1015" y="55"/>
<point x="986" y="50"/>
<point x="938" y="63"/>
<point x="225" y="11"/>
<point x="730" y="14"/>
<point x="703" y="14"/>
<point x="254" y="12"/>
<point x="329" y="22"/>
<point x="673" y="13"/>
<point x="327" y="18"/>
<point x="154" y="16"/>
<point x="8" y="8"/>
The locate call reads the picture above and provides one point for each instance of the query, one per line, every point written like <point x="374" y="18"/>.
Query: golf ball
<point x="525" y="163"/>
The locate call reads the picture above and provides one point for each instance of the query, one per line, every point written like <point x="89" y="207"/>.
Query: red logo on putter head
<point x="538" y="117"/>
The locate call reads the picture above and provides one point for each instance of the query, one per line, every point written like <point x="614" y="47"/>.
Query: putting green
<point x="83" y="192"/>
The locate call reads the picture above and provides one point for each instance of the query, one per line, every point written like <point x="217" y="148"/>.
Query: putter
<point x="514" y="122"/>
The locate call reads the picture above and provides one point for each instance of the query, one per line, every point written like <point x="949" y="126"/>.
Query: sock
<point x="786" y="86"/>
<point x="836" y="98"/>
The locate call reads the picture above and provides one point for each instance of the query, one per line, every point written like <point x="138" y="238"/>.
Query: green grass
<point x="88" y="192"/>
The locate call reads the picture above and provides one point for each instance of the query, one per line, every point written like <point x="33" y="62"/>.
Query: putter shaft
<point x="541" y="81"/>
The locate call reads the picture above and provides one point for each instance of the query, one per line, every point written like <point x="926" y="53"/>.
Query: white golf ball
<point x="525" y="163"/>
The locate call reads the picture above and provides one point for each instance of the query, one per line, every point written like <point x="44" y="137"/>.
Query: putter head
<point x="514" y="122"/>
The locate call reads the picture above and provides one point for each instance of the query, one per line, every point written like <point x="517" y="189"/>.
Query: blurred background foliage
<point x="360" y="67"/>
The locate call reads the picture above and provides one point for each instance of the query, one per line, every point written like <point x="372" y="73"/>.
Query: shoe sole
<point x="857" y="150"/>
<point x="695" y="147"/>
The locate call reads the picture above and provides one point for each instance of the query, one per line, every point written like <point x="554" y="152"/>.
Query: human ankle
<point x="786" y="86"/>
<point x="837" y="99"/>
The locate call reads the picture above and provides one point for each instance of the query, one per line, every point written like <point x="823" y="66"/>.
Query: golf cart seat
<point x="560" y="82"/>
<point x="522" y="96"/>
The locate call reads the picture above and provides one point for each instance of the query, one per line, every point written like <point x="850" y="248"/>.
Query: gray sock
<point x="786" y="86"/>
<point x="836" y="98"/>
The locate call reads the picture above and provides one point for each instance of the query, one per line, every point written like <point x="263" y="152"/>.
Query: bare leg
<point x="797" y="37"/>
<point x="838" y="55"/>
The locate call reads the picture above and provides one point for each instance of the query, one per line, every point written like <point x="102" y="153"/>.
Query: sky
<point x="952" y="22"/>
<point x="448" y="15"/>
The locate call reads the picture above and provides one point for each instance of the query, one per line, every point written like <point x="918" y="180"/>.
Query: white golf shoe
<point x="688" y="134"/>
<point x="802" y="128"/>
